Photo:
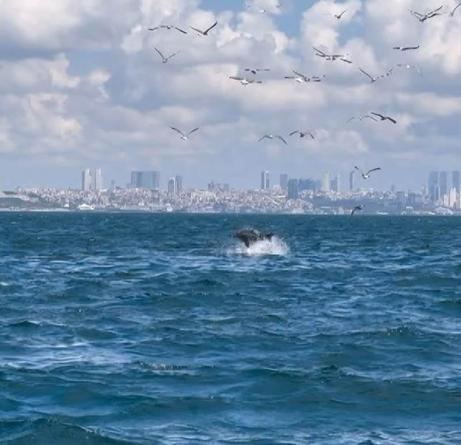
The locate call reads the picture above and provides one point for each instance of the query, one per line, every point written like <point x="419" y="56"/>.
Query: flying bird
<point x="331" y="57"/>
<point x="406" y="48"/>
<point x="339" y="16"/>
<point x="384" y="118"/>
<point x="205" y="33"/>
<point x="301" y="78"/>
<point x="184" y="137"/>
<point x="255" y="71"/>
<point x="356" y="209"/>
<point x="169" y="27"/>
<point x="244" y="80"/>
<point x="303" y="134"/>
<point x="452" y="13"/>
<point x="166" y="59"/>
<point x="429" y="15"/>
<point x="367" y="174"/>
<point x="273" y="136"/>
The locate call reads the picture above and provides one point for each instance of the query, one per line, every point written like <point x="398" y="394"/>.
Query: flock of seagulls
<point x="251" y="75"/>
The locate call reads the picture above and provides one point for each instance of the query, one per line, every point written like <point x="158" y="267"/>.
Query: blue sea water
<point x="162" y="329"/>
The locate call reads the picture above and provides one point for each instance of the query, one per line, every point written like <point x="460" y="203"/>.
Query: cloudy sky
<point x="81" y="86"/>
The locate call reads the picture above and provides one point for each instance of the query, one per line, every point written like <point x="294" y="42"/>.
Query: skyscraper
<point x="265" y="184"/>
<point x="172" y="187"/>
<point x="284" y="182"/>
<point x="443" y="184"/>
<point x="86" y="180"/>
<point x="352" y="181"/>
<point x="335" y="184"/>
<point x="178" y="184"/>
<point x="293" y="189"/>
<point x="433" y="186"/>
<point x="455" y="181"/>
<point x="325" y="187"/>
<point x="92" y="180"/>
<point x="145" y="179"/>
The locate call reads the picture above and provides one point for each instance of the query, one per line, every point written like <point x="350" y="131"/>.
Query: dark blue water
<point x="146" y="329"/>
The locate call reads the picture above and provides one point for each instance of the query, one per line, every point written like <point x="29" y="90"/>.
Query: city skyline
<point x="80" y="91"/>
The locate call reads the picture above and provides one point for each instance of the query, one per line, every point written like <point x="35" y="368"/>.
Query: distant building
<point x="443" y="184"/>
<point x="292" y="186"/>
<point x="172" y="187"/>
<point x="86" y="180"/>
<point x="92" y="180"/>
<point x="178" y="184"/>
<point x="145" y="179"/>
<point x="455" y="181"/>
<point x="284" y="182"/>
<point x="433" y="186"/>
<point x="325" y="187"/>
<point x="307" y="185"/>
<point x="265" y="183"/>
<point x="352" y="181"/>
<point x="335" y="184"/>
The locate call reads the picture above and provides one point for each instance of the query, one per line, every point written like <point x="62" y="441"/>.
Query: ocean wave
<point x="275" y="247"/>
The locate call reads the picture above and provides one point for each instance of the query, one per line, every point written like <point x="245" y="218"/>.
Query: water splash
<point x="275" y="246"/>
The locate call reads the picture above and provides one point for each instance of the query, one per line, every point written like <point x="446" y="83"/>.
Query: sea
<point x="165" y="329"/>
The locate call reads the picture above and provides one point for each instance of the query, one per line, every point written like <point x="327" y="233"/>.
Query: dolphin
<point x="251" y="236"/>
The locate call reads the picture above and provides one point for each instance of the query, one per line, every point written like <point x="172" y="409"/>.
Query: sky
<point x="82" y="87"/>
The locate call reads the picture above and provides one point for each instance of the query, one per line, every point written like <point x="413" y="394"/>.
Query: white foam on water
<point x="275" y="246"/>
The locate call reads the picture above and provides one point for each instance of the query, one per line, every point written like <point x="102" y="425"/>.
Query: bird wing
<point x="350" y="119"/>
<point x="294" y="132"/>
<point x="311" y="135"/>
<point x="160" y="53"/>
<point x="153" y="29"/>
<point x="172" y="55"/>
<point x="434" y="11"/>
<point x="345" y="60"/>
<point x="379" y="115"/>
<point x="193" y="131"/>
<point x="210" y="28"/>
<point x="417" y="14"/>
<point x="320" y="53"/>
<point x="366" y="74"/>
<point x="300" y="75"/>
<point x="373" y="170"/>
<point x="391" y="119"/>
<point x="177" y="131"/>
<point x="180" y="30"/>
<point x="282" y="139"/>
<point x="408" y="48"/>
<point x="198" y="30"/>
<point x="367" y="116"/>
<point x="266" y="136"/>
<point x="359" y="170"/>
<point x="290" y="77"/>
<point x="235" y="78"/>
<point x="452" y="13"/>
<point x="340" y="15"/>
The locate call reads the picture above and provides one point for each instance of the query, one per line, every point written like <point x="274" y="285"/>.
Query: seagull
<point x="423" y="17"/>
<point x="303" y="134"/>
<point x="301" y="78"/>
<point x="169" y="27"/>
<point x="452" y="13"/>
<point x="338" y="16"/>
<point x="356" y="209"/>
<point x="384" y="118"/>
<point x="255" y="71"/>
<point x="367" y="174"/>
<point x="184" y="137"/>
<point x="205" y="33"/>
<point x="408" y="67"/>
<point x="165" y="59"/>
<point x="406" y="48"/>
<point x="244" y="80"/>
<point x="372" y="78"/>
<point x="331" y="57"/>
<point x="273" y="136"/>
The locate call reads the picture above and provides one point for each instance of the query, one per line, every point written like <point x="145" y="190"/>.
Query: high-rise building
<point x="455" y="181"/>
<point x="335" y="184"/>
<point x="284" y="182"/>
<point x="306" y="184"/>
<point x="97" y="180"/>
<point x="145" y="179"/>
<point x="172" y="187"/>
<point x="265" y="184"/>
<point x="293" y="189"/>
<point x="86" y="180"/>
<point x="178" y="184"/>
<point x="352" y="181"/>
<point x="325" y="187"/>
<point x="433" y="186"/>
<point x="92" y="180"/>
<point x="443" y="184"/>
